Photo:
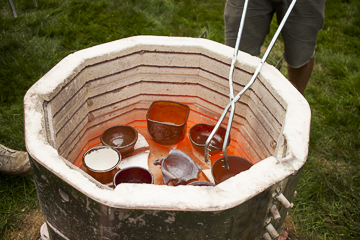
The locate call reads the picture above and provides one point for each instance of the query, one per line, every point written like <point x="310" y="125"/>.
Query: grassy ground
<point x="327" y="206"/>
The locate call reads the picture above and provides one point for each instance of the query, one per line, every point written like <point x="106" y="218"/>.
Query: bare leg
<point x="299" y="77"/>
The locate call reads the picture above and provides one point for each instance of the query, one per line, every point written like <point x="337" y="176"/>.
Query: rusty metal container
<point x="87" y="92"/>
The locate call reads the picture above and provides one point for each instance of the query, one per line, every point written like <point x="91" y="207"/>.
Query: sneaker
<point x="14" y="162"/>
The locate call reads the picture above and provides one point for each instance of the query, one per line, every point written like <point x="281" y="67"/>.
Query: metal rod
<point x="238" y="96"/>
<point x="236" y="51"/>
<point x="13" y="9"/>
<point x="232" y="111"/>
<point x="227" y="134"/>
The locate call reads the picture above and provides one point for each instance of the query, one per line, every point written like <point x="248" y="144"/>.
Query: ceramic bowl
<point x="236" y="166"/>
<point x="120" y="137"/>
<point x="133" y="175"/>
<point x="166" y="121"/>
<point x="101" y="163"/>
<point x="199" y="133"/>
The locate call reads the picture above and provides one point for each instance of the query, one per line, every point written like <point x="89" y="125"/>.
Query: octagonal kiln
<point x="88" y="91"/>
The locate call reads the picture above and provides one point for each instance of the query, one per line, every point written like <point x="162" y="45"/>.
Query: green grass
<point x="327" y="206"/>
<point x="18" y="196"/>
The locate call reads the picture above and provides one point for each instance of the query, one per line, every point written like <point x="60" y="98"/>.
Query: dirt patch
<point x="288" y="231"/>
<point x="29" y="227"/>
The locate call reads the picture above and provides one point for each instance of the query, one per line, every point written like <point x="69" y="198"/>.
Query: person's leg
<point x="300" y="36"/>
<point x="256" y="25"/>
<point x="300" y="77"/>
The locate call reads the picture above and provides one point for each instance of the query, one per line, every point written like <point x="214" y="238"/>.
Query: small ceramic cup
<point x="133" y="175"/>
<point x="120" y="137"/>
<point x="166" y="121"/>
<point x="101" y="163"/>
<point x="200" y="132"/>
<point x="236" y="166"/>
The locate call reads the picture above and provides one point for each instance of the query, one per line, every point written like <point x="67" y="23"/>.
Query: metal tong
<point x="234" y="99"/>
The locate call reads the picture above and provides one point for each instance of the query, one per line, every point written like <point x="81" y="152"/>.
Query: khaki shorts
<point x="299" y="33"/>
